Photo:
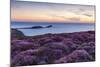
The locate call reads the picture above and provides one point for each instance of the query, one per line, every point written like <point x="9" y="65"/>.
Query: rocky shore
<point x="52" y="48"/>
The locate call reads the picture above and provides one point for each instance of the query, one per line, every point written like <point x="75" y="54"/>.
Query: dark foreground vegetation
<point x="52" y="48"/>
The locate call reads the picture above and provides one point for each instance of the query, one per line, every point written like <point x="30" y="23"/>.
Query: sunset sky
<point x="50" y="12"/>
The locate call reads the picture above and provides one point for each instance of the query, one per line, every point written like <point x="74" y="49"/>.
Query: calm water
<point x="57" y="27"/>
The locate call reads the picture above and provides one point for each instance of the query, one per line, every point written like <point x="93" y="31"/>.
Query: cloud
<point x="89" y="15"/>
<point x="80" y="9"/>
<point x="54" y="15"/>
<point x="83" y="12"/>
<point x="74" y="19"/>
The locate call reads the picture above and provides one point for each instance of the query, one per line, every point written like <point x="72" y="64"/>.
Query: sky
<point x="87" y="2"/>
<point x="51" y="12"/>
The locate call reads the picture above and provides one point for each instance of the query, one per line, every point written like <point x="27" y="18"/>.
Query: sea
<point x="56" y="27"/>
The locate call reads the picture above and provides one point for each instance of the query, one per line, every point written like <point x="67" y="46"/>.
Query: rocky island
<point x="36" y="27"/>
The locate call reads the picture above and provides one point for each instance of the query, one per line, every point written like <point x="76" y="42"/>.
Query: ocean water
<point x="56" y="27"/>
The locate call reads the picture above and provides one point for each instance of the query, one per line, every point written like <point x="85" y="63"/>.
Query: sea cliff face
<point x="52" y="48"/>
